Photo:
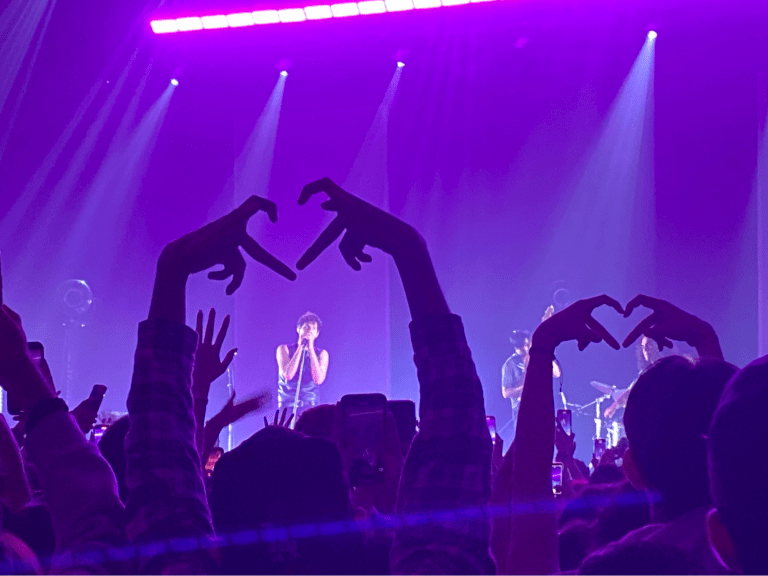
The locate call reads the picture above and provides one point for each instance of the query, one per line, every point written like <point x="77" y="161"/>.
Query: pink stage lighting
<point x="164" y="26"/>
<point x="241" y="19"/>
<point x="292" y="15"/>
<point x="266" y="17"/>
<point x="186" y="24"/>
<point x="372" y="7"/>
<point x="212" y="22"/>
<point x="318" y="12"/>
<point x="346" y="9"/>
<point x="398" y="5"/>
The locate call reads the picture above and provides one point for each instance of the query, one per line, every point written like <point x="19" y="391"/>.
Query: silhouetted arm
<point x="448" y="466"/>
<point x="668" y="322"/>
<point x="79" y="485"/>
<point x="533" y="536"/>
<point x="163" y="471"/>
<point x="208" y="367"/>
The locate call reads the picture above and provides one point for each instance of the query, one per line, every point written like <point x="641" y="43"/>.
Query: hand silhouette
<point x="232" y="412"/>
<point x="219" y="243"/>
<point x="18" y="374"/>
<point x="668" y="322"/>
<point x="282" y="422"/>
<point x="576" y="323"/>
<point x="365" y="225"/>
<point x="208" y="366"/>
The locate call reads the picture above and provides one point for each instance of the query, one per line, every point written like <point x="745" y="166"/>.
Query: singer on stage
<point x="302" y="368"/>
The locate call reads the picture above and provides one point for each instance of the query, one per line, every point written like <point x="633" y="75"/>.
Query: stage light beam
<point x="254" y="163"/>
<point x="606" y="230"/>
<point x="174" y="82"/>
<point x="400" y="64"/>
<point x="652" y="35"/>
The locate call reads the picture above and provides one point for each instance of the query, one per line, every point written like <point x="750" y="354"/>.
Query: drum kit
<point x="606" y="411"/>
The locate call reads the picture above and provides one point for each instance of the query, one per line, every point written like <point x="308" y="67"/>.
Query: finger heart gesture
<point x="576" y="323"/>
<point x="219" y="243"/>
<point x="365" y="225"/>
<point x="666" y="323"/>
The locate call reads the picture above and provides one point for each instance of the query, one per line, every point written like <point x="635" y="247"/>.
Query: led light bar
<point x="320" y="12"/>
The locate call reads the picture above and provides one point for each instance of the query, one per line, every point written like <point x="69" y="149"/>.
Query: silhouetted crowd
<point x="339" y="492"/>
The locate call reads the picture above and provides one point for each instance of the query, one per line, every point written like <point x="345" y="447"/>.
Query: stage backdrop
<point x="536" y="145"/>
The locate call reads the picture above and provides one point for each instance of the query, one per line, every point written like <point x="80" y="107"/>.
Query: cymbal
<point x="604" y="388"/>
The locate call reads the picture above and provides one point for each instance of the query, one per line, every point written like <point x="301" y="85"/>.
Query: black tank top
<point x="309" y="392"/>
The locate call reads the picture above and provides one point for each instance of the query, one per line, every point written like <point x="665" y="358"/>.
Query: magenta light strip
<point x="342" y="10"/>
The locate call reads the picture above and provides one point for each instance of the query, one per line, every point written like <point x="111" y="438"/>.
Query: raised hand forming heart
<point x="576" y="323"/>
<point x="666" y="323"/>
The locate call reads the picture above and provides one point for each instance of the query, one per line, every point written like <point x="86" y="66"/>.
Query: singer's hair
<point x="307" y="318"/>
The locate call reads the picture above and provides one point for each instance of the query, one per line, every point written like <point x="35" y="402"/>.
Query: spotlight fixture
<point x="174" y="82"/>
<point x="652" y="35"/>
<point x="284" y="73"/>
<point x="400" y="64"/>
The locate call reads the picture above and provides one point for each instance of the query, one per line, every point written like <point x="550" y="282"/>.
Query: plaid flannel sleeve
<point x="167" y="499"/>
<point x="446" y="479"/>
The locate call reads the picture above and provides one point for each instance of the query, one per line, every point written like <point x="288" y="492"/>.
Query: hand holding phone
<point x="491" y="423"/>
<point x="363" y="436"/>
<point x="565" y="418"/>
<point x="557" y="478"/>
<point x="36" y="352"/>
<point x="599" y="448"/>
<point x="86" y="412"/>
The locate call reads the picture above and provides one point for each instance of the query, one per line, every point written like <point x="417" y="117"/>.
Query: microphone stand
<point x="230" y="389"/>
<point x="298" y="388"/>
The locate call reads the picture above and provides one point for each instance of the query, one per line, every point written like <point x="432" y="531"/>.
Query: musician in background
<point x="647" y="352"/>
<point x="513" y="371"/>
<point x="301" y="366"/>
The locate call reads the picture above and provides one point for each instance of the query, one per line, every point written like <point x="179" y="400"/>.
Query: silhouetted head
<point x="738" y="460"/>
<point x="16" y="557"/>
<point x="574" y="542"/>
<point x="588" y="504"/>
<point x="317" y="421"/>
<point x="279" y="478"/>
<point x="666" y="419"/>
<point x="607" y="474"/>
<point x="639" y="558"/>
<point x="112" y="447"/>
<point x="628" y="511"/>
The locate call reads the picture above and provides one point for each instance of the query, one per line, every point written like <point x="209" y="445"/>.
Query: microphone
<point x="305" y="342"/>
